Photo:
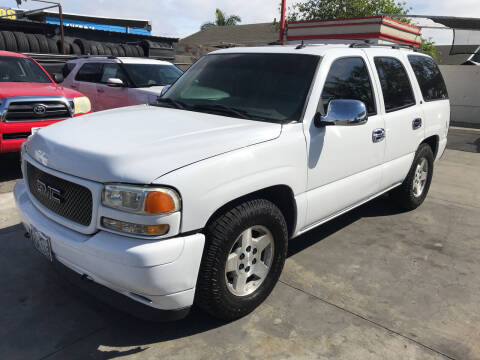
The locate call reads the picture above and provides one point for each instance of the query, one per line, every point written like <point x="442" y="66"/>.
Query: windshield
<point x="269" y="87"/>
<point x="145" y="75"/>
<point x="19" y="69"/>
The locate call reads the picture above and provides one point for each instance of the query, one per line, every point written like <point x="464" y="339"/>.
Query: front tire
<point x="414" y="188"/>
<point x="244" y="255"/>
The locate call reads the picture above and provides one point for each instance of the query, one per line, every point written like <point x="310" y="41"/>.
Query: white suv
<point x="112" y="82"/>
<point x="194" y="199"/>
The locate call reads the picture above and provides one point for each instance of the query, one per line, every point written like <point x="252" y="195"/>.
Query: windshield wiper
<point x="169" y="101"/>
<point x="224" y="109"/>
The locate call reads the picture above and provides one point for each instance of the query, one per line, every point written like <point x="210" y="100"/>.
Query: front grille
<point x="16" y="136"/>
<point x="67" y="199"/>
<point x="25" y="111"/>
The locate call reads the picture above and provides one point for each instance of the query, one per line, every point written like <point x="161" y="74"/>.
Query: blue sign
<point x="94" y="26"/>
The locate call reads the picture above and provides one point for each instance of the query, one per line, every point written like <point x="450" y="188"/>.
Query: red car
<point x="29" y="99"/>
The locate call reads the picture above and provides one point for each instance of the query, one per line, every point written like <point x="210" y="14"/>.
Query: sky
<point x="180" y="18"/>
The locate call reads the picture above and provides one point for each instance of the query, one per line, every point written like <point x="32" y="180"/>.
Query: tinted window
<point x="112" y="71"/>
<point x="67" y="68"/>
<point x="19" y="69"/>
<point x="144" y="75"/>
<point x="90" y="72"/>
<point x="349" y="79"/>
<point x="264" y="87"/>
<point x="396" y="87"/>
<point x="429" y="78"/>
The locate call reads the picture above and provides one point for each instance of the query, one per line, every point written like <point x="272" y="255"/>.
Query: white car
<point x="194" y="199"/>
<point x="112" y="82"/>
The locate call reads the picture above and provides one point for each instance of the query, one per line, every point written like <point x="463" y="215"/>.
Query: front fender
<point x="207" y="185"/>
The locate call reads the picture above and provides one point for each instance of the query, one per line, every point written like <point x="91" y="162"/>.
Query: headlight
<point x="141" y="199"/>
<point x="82" y="105"/>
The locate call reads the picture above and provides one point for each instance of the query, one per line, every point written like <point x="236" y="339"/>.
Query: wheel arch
<point x="280" y="195"/>
<point x="433" y="141"/>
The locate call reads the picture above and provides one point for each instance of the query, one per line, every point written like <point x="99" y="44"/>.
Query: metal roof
<point x="453" y="22"/>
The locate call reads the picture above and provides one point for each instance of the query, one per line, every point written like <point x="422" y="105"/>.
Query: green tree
<point x="427" y="46"/>
<point x="221" y="19"/>
<point x="331" y="9"/>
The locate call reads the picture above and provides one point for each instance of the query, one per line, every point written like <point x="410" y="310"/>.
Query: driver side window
<point x="348" y="79"/>
<point x="112" y="71"/>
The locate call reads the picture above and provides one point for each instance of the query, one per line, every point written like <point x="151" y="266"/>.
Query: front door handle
<point x="416" y="123"/>
<point x="100" y="90"/>
<point x="378" y="135"/>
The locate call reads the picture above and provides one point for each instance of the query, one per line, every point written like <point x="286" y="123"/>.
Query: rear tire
<point x="414" y="188"/>
<point x="244" y="254"/>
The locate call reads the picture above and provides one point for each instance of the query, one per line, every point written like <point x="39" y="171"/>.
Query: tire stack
<point x="17" y="41"/>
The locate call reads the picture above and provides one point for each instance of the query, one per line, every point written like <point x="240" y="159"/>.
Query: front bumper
<point x="14" y="134"/>
<point x="161" y="274"/>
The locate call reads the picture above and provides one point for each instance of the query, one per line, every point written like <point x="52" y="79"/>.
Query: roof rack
<point x="96" y="56"/>
<point x="392" y="46"/>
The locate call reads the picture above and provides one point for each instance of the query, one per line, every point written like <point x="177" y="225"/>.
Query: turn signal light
<point x="140" y="229"/>
<point x="159" y="202"/>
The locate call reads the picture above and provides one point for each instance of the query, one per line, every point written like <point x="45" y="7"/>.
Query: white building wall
<point x="463" y="85"/>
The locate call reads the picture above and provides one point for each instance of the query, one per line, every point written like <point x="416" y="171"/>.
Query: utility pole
<point x="282" y="21"/>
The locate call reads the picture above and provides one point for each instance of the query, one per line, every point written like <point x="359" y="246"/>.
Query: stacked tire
<point x="17" y="41"/>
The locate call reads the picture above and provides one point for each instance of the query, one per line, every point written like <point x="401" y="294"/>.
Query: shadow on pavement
<point x="10" y="165"/>
<point x="382" y="206"/>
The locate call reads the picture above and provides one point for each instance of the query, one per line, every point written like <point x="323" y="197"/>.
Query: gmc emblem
<point x="49" y="192"/>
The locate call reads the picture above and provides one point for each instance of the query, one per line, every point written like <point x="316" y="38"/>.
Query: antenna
<point x="301" y="46"/>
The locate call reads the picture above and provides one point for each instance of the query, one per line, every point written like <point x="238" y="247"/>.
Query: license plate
<point x="41" y="242"/>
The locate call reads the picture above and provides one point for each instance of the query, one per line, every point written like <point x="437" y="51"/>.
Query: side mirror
<point x="58" y="78"/>
<point x="343" y="112"/>
<point x="114" y="82"/>
<point x="165" y="89"/>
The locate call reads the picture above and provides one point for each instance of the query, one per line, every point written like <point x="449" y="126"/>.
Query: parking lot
<point x="375" y="283"/>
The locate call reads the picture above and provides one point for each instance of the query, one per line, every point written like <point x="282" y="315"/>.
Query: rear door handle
<point x="73" y="86"/>
<point x="416" y="123"/>
<point x="378" y="135"/>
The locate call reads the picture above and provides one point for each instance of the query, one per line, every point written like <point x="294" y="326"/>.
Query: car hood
<point x="10" y="89"/>
<point x="140" y="143"/>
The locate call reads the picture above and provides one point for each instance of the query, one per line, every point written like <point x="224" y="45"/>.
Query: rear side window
<point x="90" y="72"/>
<point x="429" y="78"/>
<point x="396" y="88"/>
<point x="348" y="79"/>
